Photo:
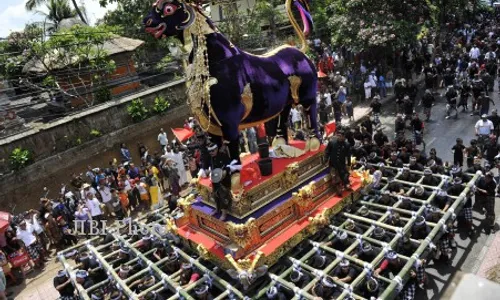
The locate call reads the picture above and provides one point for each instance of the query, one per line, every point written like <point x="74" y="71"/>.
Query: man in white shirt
<point x="94" y="207"/>
<point x="474" y="52"/>
<point x="86" y="188"/>
<point x="484" y="127"/>
<point x="296" y="118"/>
<point x="328" y="98"/>
<point x="105" y="192"/>
<point x="35" y="251"/>
<point x="162" y="139"/>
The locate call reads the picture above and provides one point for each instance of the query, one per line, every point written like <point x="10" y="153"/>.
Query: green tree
<point x="58" y="10"/>
<point x="14" y="53"/>
<point x="265" y="12"/>
<point x="31" y="5"/>
<point x="379" y="24"/>
<point x="79" y="51"/>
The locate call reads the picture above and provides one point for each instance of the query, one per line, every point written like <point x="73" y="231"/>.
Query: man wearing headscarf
<point x="63" y="285"/>
<point x="338" y="157"/>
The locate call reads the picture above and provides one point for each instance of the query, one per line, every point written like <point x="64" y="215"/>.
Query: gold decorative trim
<point x="303" y="198"/>
<point x="245" y="265"/>
<point x="260" y="195"/>
<point x="295" y="82"/>
<point x="320" y="219"/>
<point x="271" y="52"/>
<point x="291" y="175"/>
<point x="203" y="252"/>
<point x="243" y="235"/>
<point x="185" y="204"/>
<point x="247" y="100"/>
<point x="171" y="226"/>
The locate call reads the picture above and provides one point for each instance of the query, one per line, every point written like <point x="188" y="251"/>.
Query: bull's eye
<point x="169" y="9"/>
<point x="149" y="22"/>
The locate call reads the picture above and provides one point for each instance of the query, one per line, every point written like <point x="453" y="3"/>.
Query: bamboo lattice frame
<point x="223" y="287"/>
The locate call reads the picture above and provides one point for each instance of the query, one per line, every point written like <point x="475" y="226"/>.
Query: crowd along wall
<point x="57" y="152"/>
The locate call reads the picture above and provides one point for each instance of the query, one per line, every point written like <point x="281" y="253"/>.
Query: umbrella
<point x="330" y="128"/>
<point x="321" y="74"/>
<point x="182" y="134"/>
<point x="5" y="218"/>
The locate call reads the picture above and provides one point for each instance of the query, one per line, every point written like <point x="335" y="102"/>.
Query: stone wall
<point x="54" y="163"/>
<point x="48" y="139"/>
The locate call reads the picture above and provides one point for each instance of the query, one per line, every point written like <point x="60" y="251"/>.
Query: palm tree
<point x="58" y="10"/>
<point x="33" y="4"/>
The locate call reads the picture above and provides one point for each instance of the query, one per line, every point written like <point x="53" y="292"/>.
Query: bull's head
<point x="169" y="18"/>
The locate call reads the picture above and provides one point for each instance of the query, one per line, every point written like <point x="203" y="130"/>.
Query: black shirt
<point x="417" y="124"/>
<point x="88" y="283"/>
<point x="67" y="290"/>
<point x="376" y="107"/>
<point x="340" y="273"/>
<point x="427" y="100"/>
<point x="380" y="139"/>
<point x="488" y="186"/>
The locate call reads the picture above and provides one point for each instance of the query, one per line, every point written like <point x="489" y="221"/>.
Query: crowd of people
<point x="465" y="64"/>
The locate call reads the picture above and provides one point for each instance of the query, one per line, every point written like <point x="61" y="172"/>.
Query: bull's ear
<point x="190" y="16"/>
<point x="233" y="273"/>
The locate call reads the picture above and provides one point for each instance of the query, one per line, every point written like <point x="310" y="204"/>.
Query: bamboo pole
<point x="172" y="284"/>
<point x="71" y="274"/>
<point x="112" y="272"/>
<point x="298" y="292"/>
<point x="388" y="292"/>
<point x="219" y="281"/>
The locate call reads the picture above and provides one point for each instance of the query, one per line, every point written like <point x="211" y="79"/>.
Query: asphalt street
<point x="441" y="133"/>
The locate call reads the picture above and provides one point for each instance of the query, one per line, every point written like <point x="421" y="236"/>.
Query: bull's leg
<point x="312" y="114"/>
<point x="231" y="138"/>
<point x="282" y="125"/>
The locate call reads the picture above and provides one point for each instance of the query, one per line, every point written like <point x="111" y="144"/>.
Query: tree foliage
<point x="57" y="10"/>
<point x="75" y="56"/>
<point x="32" y="5"/>
<point x="15" y="50"/>
<point x="369" y="24"/>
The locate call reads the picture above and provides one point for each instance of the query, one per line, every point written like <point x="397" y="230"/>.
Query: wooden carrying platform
<point x="282" y="216"/>
<point x="288" y="174"/>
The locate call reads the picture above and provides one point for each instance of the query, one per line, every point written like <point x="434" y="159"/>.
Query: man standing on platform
<point x="220" y="175"/>
<point x="338" y="156"/>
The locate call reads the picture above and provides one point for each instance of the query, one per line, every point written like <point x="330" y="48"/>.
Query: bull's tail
<point x="303" y="8"/>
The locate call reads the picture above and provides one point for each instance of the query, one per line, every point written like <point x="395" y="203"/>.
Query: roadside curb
<point x="484" y="251"/>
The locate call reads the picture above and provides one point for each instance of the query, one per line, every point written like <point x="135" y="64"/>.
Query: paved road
<point x="441" y="133"/>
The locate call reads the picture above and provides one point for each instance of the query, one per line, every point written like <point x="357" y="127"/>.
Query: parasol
<point x="182" y="134"/>
<point x="321" y="74"/>
<point x="330" y="128"/>
<point x="5" y="218"/>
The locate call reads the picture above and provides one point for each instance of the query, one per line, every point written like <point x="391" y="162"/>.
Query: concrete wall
<point x="56" y="156"/>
